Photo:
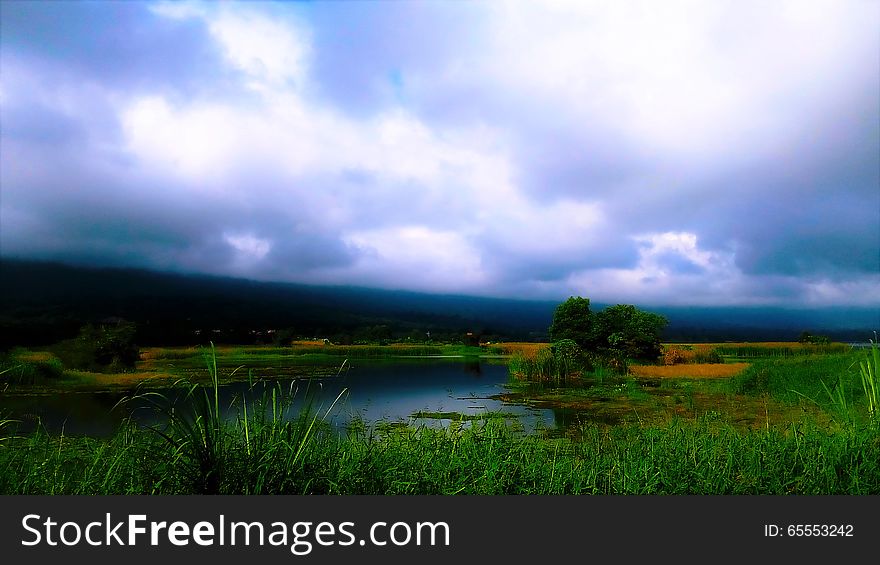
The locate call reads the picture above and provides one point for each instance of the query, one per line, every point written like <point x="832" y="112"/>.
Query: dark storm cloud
<point x="679" y="264"/>
<point x="118" y="44"/>
<point x="818" y="212"/>
<point x="514" y="264"/>
<point x="37" y="122"/>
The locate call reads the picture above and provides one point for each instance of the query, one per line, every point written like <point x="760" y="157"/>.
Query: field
<point x="779" y="424"/>
<point x="163" y="366"/>
<point x="526" y="349"/>
<point x="689" y="371"/>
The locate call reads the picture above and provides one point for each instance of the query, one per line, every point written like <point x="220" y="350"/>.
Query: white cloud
<point x="178" y="10"/>
<point x="426" y="259"/>
<point x="864" y="291"/>
<point x="679" y="78"/>
<point x="683" y="244"/>
<point x="715" y="279"/>
<point x="677" y="96"/>
<point x="249" y="250"/>
<point x="196" y="143"/>
<point x="271" y="53"/>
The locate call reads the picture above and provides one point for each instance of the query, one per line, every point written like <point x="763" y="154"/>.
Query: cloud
<point x="692" y="153"/>
<point x="434" y="260"/>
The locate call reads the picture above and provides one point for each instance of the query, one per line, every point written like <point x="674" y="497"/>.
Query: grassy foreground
<point x="264" y="451"/>
<point x="686" y="458"/>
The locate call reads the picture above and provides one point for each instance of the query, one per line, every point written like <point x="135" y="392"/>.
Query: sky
<point x="656" y="153"/>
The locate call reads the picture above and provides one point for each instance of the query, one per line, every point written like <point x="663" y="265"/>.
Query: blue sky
<point x="674" y="153"/>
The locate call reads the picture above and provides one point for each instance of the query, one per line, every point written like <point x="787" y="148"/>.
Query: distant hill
<point x="45" y="302"/>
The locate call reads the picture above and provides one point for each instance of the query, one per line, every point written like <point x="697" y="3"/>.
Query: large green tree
<point x="631" y="332"/>
<point x="573" y="320"/>
<point x="621" y="331"/>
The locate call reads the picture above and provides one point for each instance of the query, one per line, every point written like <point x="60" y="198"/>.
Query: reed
<point x="487" y="457"/>
<point x="780" y="349"/>
<point x="871" y="381"/>
<point x="22" y="367"/>
<point x="202" y="442"/>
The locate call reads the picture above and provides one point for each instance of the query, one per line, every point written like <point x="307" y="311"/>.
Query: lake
<point x="371" y="392"/>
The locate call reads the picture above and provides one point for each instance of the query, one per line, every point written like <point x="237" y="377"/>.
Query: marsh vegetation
<point x="782" y="424"/>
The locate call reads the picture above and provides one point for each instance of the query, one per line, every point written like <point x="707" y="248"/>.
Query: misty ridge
<point x="42" y="302"/>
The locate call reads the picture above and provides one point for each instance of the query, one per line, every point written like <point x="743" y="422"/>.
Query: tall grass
<point x="21" y="367"/>
<point x="203" y="442"/>
<point x="486" y="458"/>
<point x="541" y="367"/>
<point x="510" y="348"/>
<point x="792" y="379"/>
<point x="5" y="422"/>
<point x="871" y="381"/>
<point x="844" y="385"/>
<point x="776" y="350"/>
<point x="558" y="367"/>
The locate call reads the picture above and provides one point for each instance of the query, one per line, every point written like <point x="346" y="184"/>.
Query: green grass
<point x="459" y="417"/>
<point x="793" y="379"/>
<point x="17" y="368"/>
<point x="746" y="351"/>
<point x="870" y="378"/>
<point x="199" y="439"/>
<point x="545" y="368"/>
<point x="349" y="351"/>
<point x="298" y="359"/>
<point x="486" y="458"/>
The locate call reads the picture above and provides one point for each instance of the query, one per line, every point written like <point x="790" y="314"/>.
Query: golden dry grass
<point x="152" y="353"/>
<point x="690" y="371"/>
<point x="529" y="350"/>
<point x="35" y="356"/>
<point x="119" y="379"/>
<point x="356" y="347"/>
<point x="763" y="344"/>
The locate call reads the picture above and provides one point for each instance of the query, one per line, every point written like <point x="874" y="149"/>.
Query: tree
<point x="808" y="338"/>
<point x="109" y="346"/>
<point x="626" y="330"/>
<point x="618" y="332"/>
<point x="283" y="337"/>
<point x="573" y="320"/>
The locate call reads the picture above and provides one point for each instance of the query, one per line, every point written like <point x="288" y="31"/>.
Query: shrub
<point x="808" y="338"/>
<point x="106" y="347"/>
<point x="569" y="358"/>
<point x="710" y="356"/>
<point x="676" y="356"/>
<point x="20" y="368"/>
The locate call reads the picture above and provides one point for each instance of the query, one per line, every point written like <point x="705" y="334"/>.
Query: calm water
<point x="372" y="391"/>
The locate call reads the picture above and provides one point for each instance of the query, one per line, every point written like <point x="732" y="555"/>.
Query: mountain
<point x="45" y="302"/>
